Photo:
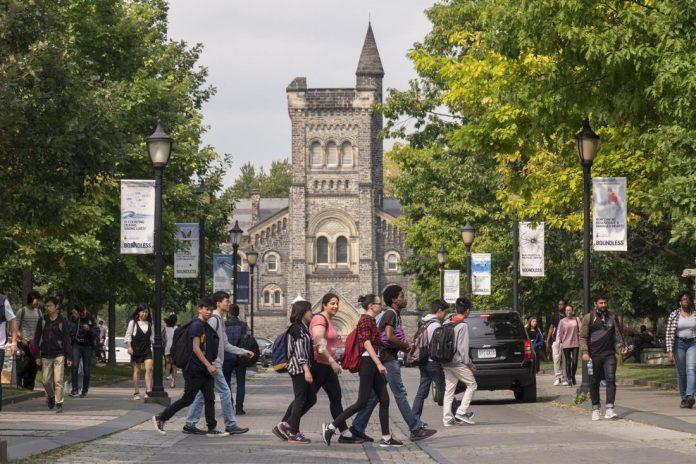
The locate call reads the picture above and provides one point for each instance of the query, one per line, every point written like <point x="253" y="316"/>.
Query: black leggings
<point x="571" y="363"/>
<point x="324" y="377"/>
<point x="370" y="380"/>
<point x="305" y="397"/>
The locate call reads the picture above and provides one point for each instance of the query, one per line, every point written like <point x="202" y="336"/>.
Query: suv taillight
<point x="528" y="351"/>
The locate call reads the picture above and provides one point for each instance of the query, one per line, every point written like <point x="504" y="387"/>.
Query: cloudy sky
<point x="254" y="49"/>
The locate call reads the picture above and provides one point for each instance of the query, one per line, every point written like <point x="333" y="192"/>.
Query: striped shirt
<point x="299" y="348"/>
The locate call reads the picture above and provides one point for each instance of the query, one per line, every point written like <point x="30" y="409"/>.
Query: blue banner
<point x="242" y="287"/>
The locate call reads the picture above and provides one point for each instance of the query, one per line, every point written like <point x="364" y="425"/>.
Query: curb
<point x="40" y="393"/>
<point x="638" y="383"/>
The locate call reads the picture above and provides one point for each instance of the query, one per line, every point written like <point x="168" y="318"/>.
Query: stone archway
<point x="346" y="319"/>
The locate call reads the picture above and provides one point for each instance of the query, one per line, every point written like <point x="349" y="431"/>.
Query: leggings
<point x="305" y="398"/>
<point x="370" y="380"/>
<point x="571" y="363"/>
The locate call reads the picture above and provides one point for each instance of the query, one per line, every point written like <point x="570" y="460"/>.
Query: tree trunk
<point x="112" y="332"/>
<point x="27" y="282"/>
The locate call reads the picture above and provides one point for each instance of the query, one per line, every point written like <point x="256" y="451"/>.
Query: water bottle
<point x="589" y="367"/>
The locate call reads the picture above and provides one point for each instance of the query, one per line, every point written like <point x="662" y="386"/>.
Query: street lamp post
<point x="252" y="258"/>
<point x="588" y="145"/>
<point x="468" y="236"/>
<point x="441" y="260"/>
<point x="159" y="147"/>
<point x="235" y="237"/>
<point x="516" y="265"/>
<point x="201" y="245"/>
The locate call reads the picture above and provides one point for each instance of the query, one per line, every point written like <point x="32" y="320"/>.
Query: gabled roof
<point x="342" y="300"/>
<point x="267" y="208"/>
<point x="370" y="63"/>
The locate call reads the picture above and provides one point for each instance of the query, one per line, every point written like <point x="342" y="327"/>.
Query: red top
<point x="330" y="336"/>
<point x="367" y="330"/>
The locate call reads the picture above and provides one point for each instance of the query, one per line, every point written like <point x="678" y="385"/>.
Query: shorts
<point x="141" y="357"/>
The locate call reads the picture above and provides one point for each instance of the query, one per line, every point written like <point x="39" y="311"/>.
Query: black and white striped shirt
<point x="299" y="348"/>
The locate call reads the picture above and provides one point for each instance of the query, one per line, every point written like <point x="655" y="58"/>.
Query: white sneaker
<point x="564" y="384"/>
<point x="467" y="418"/>
<point x="610" y="414"/>
<point x="450" y="423"/>
<point x="595" y="414"/>
<point x="556" y="382"/>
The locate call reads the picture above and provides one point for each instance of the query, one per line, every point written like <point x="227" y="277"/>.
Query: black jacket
<point x="53" y="337"/>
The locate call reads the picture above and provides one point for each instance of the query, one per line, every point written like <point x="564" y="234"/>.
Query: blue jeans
<point x="81" y="353"/>
<point x="2" y="361"/>
<point x="222" y="389"/>
<point x="230" y="366"/>
<point x="396" y="384"/>
<point x="431" y="372"/>
<point x="685" y="362"/>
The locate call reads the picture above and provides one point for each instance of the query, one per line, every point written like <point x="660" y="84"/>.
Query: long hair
<point x="298" y="310"/>
<point x="136" y="314"/>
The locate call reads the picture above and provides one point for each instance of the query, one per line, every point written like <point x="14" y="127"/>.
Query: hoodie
<point x="432" y="322"/>
<point x="218" y="324"/>
<point x="461" y="342"/>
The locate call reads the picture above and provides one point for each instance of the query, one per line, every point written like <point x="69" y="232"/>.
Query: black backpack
<point x="249" y="343"/>
<point x="182" y="348"/>
<point x="442" y="345"/>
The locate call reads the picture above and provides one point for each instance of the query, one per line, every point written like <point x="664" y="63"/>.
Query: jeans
<point x="81" y="353"/>
<point x="26" y="378"/>
<point x="195" y="383"/>
<point x="222" y="389"/>
<point x="324" y="377"/>
<point x="305" y="398"/>
<point x="2" y="361"/>
<point x="454" y="375"/>
<point x="396" y="385"/>
<point x="229" y="366"/>
<point x="685" y="362"/>
<point x="431" y="372"/>
<point x="603" y="367"/>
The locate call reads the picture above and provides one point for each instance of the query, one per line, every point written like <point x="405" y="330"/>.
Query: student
<point x="299" y="361"/>
<point x="536" y="336"/>
<point x="198" y="373"/>
<point x="389" y="324"/>
<point x="28" y="319"/>
<point x="680" y="338"/>
<point x="556" y="351"/>
<point x="8" y="325"/>
<point x="460" y="369"/>
<point x="168" y="336"/>
<point x="371" y="372"/>
<point x="139" y="339"/>
<point x="53" y="344"/>
<point x="235" y="328"/>
<point x="569" y="336"/>
<point x="102" y="341"/>
<point x="84" y="339"/>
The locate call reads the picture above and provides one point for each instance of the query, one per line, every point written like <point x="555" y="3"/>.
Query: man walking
<point x="7" y="317"/>
<point x="102" y="341"/>
<point x="460" y="369"/>
<point x="221" y="300"/>
<point x="556" y="350"/>
<point x="389" y="325"/>
<point x="28" y="318"/>
<point x="235" y="328"/>
<point x="53" y="342"/>
<point x="601" y="335"/>
<point x="84" y="339"/>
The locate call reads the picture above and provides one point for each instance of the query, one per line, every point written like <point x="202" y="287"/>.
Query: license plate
<point x="486" y="354"/>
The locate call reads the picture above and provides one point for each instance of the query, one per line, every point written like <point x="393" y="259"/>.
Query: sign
<point x="531" y="250"/>
<point x="481" y="273"/>
<point x="222" y="273"/>
<point x="609" y="213"/>
<point x="451" y="286"/>
<point x="186" y="256"/>
<point x="137" y="217"/>
<point x="242" y="289"/>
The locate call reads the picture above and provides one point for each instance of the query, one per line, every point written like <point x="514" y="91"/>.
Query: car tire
<point x="527" y="394"/>
<point x="437" y="397"/>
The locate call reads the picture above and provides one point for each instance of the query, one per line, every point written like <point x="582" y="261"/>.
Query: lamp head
<point x="441" y="255"/>
<point x="236" y="234"/>
<point x="159" y="146"/>
<point x="587" y="142"/>
<point x="252" y="257"/>
<point x="468" y="234"/>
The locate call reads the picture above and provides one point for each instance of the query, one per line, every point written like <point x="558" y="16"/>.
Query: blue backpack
<point x="279" y="353"/>
<point x="234" y="330"/>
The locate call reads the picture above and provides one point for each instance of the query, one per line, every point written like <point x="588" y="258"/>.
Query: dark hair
<point x="54" y="300"/>
<point x="366" y="300"/>
<point x="234" y="310"/>
<point x="31" y="296"/>
<point x="207" y="302"/>
<point x="79" y="306"/>
<point x="327" y="298"/>
<point x="298" y="310"/>
<point x="437" y="305"/>
<point x="391" y="293"/>
<point x="136" y="314"/>
<point x="643" y="328"/>
<point x="565" y="302"/>
<point x="462" y="305"/>
<point x="685" y="293"/>
<point x="171" y="320"/>
<point x="219" y="296"/>
<point x="599" y="296"/>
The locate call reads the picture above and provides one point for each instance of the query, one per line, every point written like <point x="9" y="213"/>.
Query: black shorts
<point x="141" y="357"/>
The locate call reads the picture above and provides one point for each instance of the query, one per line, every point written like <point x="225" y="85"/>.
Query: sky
<point x="254" y="48"/>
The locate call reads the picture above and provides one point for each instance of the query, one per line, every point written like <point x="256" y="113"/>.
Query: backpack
<point x="279" y="353"/>
<point x="249" y="343"/>
<point x="442" y="345"/>
<point x="3" y="299"/>
<point x="234" y="330"/>
<point x="351" y="357"/>
<point x="182" y="348"/>
<point x="421" y="348"/>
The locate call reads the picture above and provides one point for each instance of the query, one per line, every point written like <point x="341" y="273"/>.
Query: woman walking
<point x="537" y="338"/>
<point x="680" y="341"/>
<point x="139" y="339"/>
<point x="300" y="360"/>
<point x="569" y="335"/>
<point x="168" y="336"/>
<point x="372" y="374"/>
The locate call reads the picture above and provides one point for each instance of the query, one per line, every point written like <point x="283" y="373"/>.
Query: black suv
<point x="502" y="353"/>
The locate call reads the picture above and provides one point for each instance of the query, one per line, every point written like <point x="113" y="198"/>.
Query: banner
<point x="186" y="256"/>
<point x="7" y="369"/>
<point x="531" y="250"/>
<point x="137" y="217"/>
<point x="609" y="214"/>
<point x="481" y="273"/>
<point x="451" y="286"/>
<point x="242" y="288"/>
<point x="222" y="273"/>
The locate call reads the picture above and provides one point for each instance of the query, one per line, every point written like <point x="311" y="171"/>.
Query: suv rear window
<point x="498" y="326"/>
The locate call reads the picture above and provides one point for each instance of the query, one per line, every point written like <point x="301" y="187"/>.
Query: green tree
<point x="274" y="184"/>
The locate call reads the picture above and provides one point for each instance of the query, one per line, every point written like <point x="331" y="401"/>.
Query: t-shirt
<point x="686" y="328"/>
<point x="554" y="321"/>
<point x="169" y="335"/>
<point x="330" y="336"/>
<point x="29" y="319"/>
<point x="9" y="315"/>
<point x="209" y="345"/>
<point x="390" y="317"/>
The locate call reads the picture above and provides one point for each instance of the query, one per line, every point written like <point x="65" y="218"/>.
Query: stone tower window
<point x="276" y="298"/>
<point x="316" y="155"/>
<point x="346" y="184"/>
<point x="267" y="298"/>
<point x="341" y="250"/>
<point x="322" y="250"/>
<point x="393" y="260"/>
<point x="272" y="263"/>
<point x="347" y="155"/>
<point x="331" y="155"/>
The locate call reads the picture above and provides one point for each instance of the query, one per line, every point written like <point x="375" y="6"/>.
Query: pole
<point x="158" y="395"/>
<point x="516" y="265"/>
<point x="251" y="298"/>
<point x="235" y="247"/>
<point x="468" y="272"/>
<point x="201" y="257"/>
<point x="112" y="331"/>
<point x="442" y="283"/>
<point x="586" y="185"/>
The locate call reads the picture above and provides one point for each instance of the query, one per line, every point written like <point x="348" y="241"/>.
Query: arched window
<point x="347" y="154"/>
<point x="316" y="156"/>
<point x="393" y="260"/>
<point x="322" y="250"/>
<point x="276" y="297"/>
<point x="342" y="250"/>
<point x="346" y="184"/>
<point x="331" y="155"/>
<point x="266" y="298"/>
<point x="331" y="185"/>
<point x="272" y="263"/>
<point x="316" y="185"/>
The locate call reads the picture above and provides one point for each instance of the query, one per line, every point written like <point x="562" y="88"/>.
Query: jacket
<point x="52" y="338"/>
<point x="461" y="343"/>
<point x="299" y="348"/>
<point x="585" y="330"/>
<point x="537" y="339"/>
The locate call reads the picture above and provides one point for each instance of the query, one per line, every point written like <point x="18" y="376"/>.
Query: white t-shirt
<point x="130" y="330"/>
<point x="169" y="333"/>
<point x="9" y="315"/>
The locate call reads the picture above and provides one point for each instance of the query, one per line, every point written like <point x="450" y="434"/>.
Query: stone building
<point x="334" y="231"/>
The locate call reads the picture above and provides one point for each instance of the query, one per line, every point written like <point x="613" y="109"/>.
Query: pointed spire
<point x="370" y="63"/>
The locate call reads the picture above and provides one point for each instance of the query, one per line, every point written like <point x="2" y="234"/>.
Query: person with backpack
<point x="195" y="348"/>
<point x="28" y="317"/>
<point x="391" y="331"/>
<point x="366" y="340"/>
<point x="84" y="338"/>
<point x="7" y="318"/>
<point x="299" y="361"/>
<point x="168" y="338"/>
<point x="569" y="335"/>
<point x="52" y="342"/>
<point x="553" y="341"/>
<point x="139" y="339"/>
<point x="236" y="329"/>
<point x="459" y="367"/>
<point x="221" y="300"/>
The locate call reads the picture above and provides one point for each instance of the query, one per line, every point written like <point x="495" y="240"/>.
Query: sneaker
<point x="83" y="394"/>
<point x="169" y="377"/>
<point x="239" y="411"/>
<point x="51" y="402"/>
<point x="72" y="393"/>
<point x="349" y="440"/>
<point x="450" y="423"/>
<point x="279" y="434"/>
<point x="564" y="384"/>
<point x="610" y="414"/>
<point x="392" y="442"/>
<point x="298" y="438"/>
<point x="422" y="434"/>
<point x="360" y="435"/>
<point x="683" y="404"/>
<point x="556" y="382"/>
<point x="595" y="414"/>
<point x="326" y="434"/>
<point x="59" y="408"/>
<point x="192" y="430"/>
<point x="690" y="400"/>
<point x="136" y="396"/>
<point x="214" y="433"/>
<point x="236" y="430"/>
<point x="467" y="418"/>
<point x="159" y="425"/>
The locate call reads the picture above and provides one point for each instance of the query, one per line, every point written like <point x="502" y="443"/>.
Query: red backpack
<point x="351" y="357"/>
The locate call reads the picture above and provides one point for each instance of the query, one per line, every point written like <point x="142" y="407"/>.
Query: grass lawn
<point x="102" y="373"/>
<point x="8" y="392"/>
<point x="648" y="372"/>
